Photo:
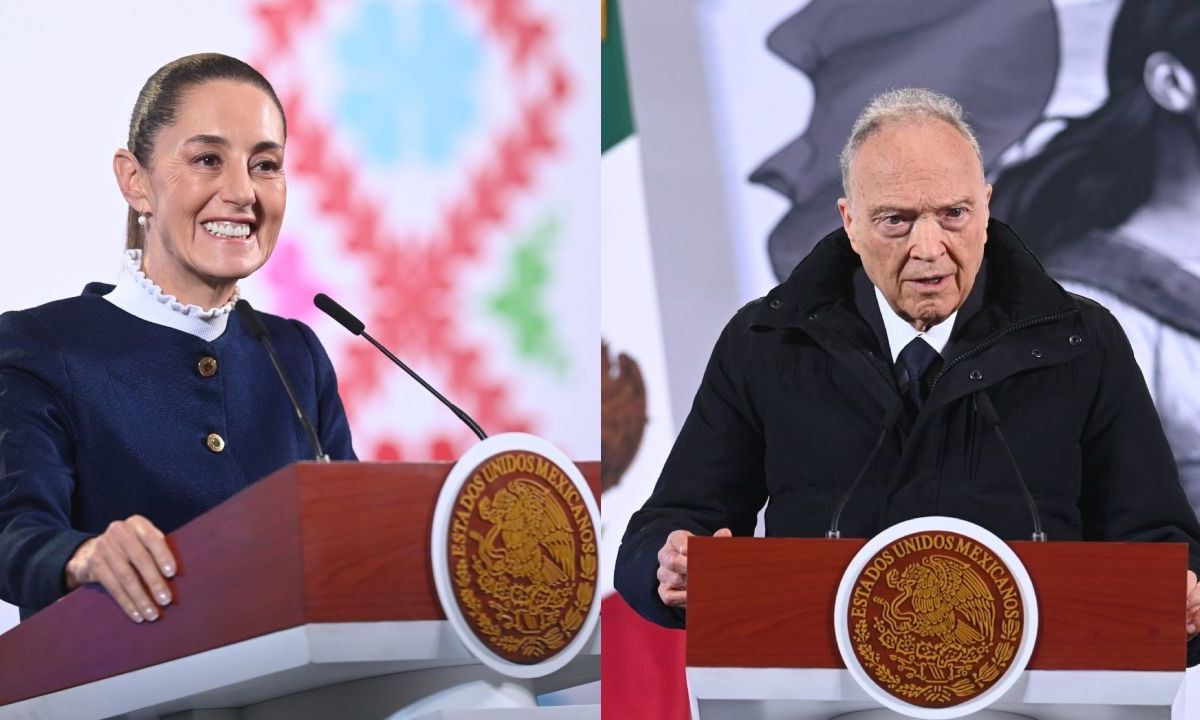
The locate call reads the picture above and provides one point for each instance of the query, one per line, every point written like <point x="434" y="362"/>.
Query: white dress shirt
<point x="900" y="333"/>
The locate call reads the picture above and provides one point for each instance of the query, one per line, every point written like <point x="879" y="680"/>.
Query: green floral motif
<point x="520" y="302"/>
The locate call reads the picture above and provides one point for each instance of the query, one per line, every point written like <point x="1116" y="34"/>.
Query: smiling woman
<point x="205" y="187"/>
<point x="134" y="408"/>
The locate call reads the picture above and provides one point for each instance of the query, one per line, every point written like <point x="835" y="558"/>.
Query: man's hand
<point x="672" y="567"/>
<point x="130" y="560"/>
<point x="1193" y="605"/>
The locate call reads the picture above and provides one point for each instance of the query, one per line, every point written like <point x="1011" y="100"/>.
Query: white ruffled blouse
<point x="138" y="295"/>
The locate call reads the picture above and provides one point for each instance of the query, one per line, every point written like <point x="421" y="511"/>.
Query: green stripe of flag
<point x="616" y="116"/>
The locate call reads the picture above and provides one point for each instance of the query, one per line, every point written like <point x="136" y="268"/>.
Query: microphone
<point x="984" y="405"/>
<point x="884" y="428"/>
<point x="328" y="306"/>
<point x="256" y="327"/>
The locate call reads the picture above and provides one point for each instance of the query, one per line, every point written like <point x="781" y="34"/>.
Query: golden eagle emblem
<point x="523" y="556"/>
<point x="949" y="601"/>
<point x="935" y="619"/>
<point x="530" y="537"/>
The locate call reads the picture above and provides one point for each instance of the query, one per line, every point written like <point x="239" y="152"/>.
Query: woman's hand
<point x="130" y="560"/>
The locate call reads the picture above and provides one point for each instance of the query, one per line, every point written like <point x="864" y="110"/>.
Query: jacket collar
<point x="1017" y="289"/>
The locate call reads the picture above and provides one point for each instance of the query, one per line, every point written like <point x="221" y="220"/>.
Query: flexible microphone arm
<point x="984" y="405"/>
<point x="256" y="327"/>
<point x="331" y="308"/>
<point x="888" y="421"/>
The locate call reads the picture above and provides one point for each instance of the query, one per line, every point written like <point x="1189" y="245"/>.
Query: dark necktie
<point x="916" y="358"/>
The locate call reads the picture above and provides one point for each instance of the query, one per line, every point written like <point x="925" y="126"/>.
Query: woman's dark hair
<point x="158" y="104"/>
<point x="1102" y="167"/>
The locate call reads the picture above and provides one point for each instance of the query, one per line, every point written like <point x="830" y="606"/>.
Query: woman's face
<point x="216" y="189"/>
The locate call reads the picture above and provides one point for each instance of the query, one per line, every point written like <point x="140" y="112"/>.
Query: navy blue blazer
<point x="104" y="415"/>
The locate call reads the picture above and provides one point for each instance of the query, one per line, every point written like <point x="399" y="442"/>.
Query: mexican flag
<point x="642" y="664"/>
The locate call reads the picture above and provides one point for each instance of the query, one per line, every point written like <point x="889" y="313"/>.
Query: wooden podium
<point x="308" y="595"/>
<point x="761" y="642"/>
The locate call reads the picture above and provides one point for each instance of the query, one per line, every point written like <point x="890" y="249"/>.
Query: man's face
<point x="917" y="216"/>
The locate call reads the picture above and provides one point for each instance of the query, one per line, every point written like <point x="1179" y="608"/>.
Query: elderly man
<point x="919" y="302"/>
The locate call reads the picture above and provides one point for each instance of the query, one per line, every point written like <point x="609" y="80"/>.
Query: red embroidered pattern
<point x="414" y="310"/>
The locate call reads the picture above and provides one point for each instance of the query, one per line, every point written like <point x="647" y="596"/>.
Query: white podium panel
<point x="788" y="694"/>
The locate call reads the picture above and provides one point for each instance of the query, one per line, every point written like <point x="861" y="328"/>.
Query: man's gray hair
<point x="903" y="104"/>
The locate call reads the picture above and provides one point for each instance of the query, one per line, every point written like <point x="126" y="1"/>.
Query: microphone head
<point x="251" y="319"/>
<point x="328" y="306"/>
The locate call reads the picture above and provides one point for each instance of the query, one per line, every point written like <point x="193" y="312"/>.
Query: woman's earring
<point x="142" y="219"/>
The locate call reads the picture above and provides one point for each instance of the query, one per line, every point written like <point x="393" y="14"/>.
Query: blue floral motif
<point x="410" y="79"/>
